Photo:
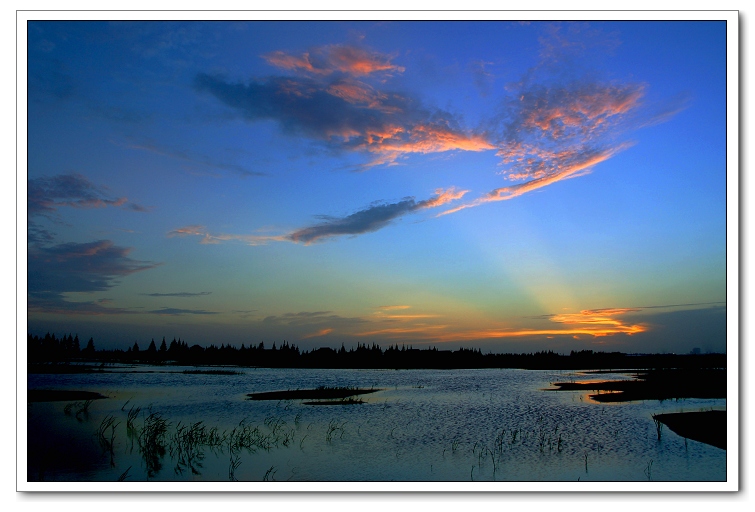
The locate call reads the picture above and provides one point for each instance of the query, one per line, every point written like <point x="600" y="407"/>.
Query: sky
<point x="507" y="186"/>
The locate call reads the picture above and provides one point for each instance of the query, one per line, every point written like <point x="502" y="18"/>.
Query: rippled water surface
<point x="423" y="425"/>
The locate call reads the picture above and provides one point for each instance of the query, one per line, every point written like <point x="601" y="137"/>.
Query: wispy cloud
<point x="77" y="268"/>
<point x="177" y="312"/>
<point x="387" y="313"/>
<point x="575" y="168"/>
<point x="177" y="294"/>
<point x="208" y="238"/>
<point x="558" y="123"/>
<point x="367" y="220"/>
<point x="326" y="60"/>
<point x="483" y="79"/>
<point x="321" y="332"/>
<point x="47" y="194"/>
<point x="595" y="323"/>
<point x="372" y="218"/>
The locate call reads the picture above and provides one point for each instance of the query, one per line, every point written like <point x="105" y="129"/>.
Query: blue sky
<point x="502" y="185"/>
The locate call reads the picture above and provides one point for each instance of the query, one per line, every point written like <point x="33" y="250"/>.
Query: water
<point x="423" y="425"/>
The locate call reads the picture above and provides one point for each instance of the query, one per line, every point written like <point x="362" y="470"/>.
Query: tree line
<point x="50" y="349"/>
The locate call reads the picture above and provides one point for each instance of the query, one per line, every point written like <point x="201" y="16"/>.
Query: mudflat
<point x="706" y="426"/>
<point x="664" y="384"/>
<point x="321" y="393"/>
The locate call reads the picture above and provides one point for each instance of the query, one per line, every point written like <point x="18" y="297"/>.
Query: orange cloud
<point x="402" y="332"/>
<point x="359" y="93"/>
<point x="321" y="332"/>
<point x="596" y="323"/>
<point x="443" y="196"/>
<point x="187" y="230"/>
<point x="572" y="171"/>
<point x="396" y="141"/>
<point x="326" y="60"/>
<point x="393" y="307"/>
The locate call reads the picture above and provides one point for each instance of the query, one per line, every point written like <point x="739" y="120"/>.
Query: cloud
<point x="552" y="128"/>
<point x="310" y="324"/>
<point x="576" y="168"/>
<point x="177" y="312"/>
<point x="46" y="194"/>
<point x="483" y="79"/>
<point x="367" y="220"/>
<point x="363" y="221"/>
<point x="187" y="230"/>
<point x="325" y="101"/>
<point x="321" y="332"/>
<point x="372" y="218"/>
<point x="595" y="323"/>
<point x="388" y="308"/>
<point x="77" y="268"/>
<point x="327" y="60"/>
<point x="177" y="294"/>
<point x="557" y="122"/>
<point x="207" y="238"/>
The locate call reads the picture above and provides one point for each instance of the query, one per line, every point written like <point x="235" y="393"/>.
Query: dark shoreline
<point x="311" y="394"/>
<point x="707" y="427"/>
<point x="667" y="384"/>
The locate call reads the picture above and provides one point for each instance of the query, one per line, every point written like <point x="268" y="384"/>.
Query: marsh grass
<point x="106" y="437"/>
<point x="81" y="408"/>
<point x="152" y="442"/>
<point x="649" y="470"/>
<point x="334" y="427"/>
<point x="270" y="474"/>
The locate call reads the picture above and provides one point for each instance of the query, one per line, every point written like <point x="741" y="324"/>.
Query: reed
<point x="152" y="442"/>
<point x="649" y="470"/>
<point x="233" y="465"/>
<point x="270" y="474"/>
<point x="124" y="475"/>
<point x="133" y="413"/>
<point x="658" y="426"/>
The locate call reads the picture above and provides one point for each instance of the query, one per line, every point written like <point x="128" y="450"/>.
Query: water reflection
<point x="455" y="425"/>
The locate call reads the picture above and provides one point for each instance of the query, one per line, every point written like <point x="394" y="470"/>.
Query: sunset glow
<point x="508" y="186"/>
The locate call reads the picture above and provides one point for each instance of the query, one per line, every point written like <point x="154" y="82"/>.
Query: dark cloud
<point x="345" y="114"/>
<point x="363" y="221"/>
<point x="372" y="218"/>
<point x="137" y="207"/>
<point x="176" y="312"/>
<point x="177" y="294"/>
<point x="46" y="194"/>
<point x="77" y="268"/>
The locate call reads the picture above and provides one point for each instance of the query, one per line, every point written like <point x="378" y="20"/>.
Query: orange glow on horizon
<point x="596" y="323"/>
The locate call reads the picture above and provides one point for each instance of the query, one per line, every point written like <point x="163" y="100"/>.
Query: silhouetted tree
<point x="90" y="347"/>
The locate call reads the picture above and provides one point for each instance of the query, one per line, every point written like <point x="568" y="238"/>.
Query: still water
<point x="423" y="425"/>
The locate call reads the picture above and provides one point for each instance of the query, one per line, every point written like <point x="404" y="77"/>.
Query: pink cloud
<point x="325" y="60"/>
